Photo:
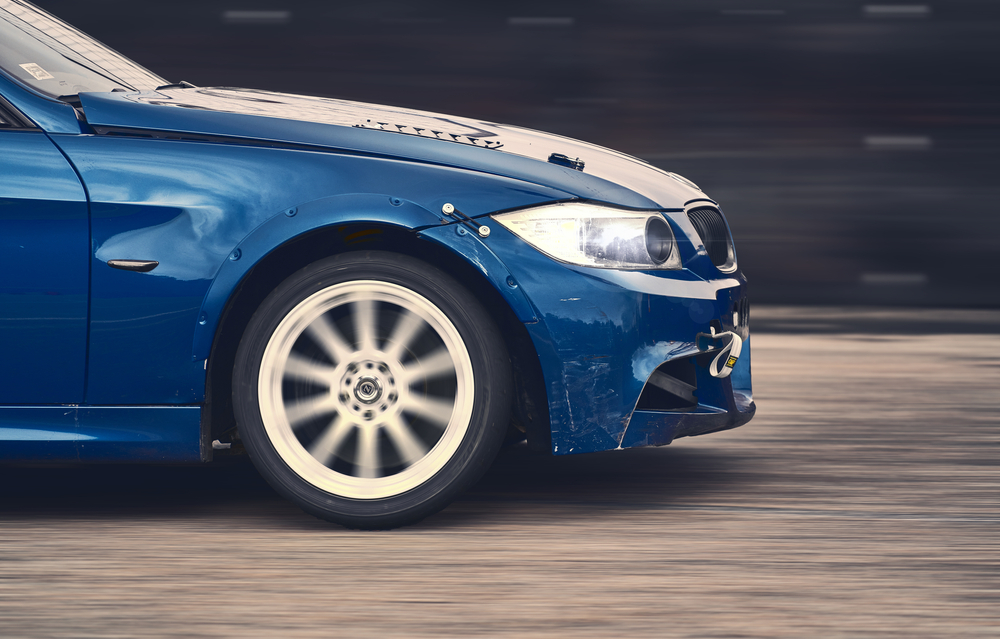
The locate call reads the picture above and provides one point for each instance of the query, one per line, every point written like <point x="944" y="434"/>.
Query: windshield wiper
<point x="177" y="85"/>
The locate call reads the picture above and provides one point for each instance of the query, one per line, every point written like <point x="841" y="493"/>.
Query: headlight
<point x="592" y="235"/>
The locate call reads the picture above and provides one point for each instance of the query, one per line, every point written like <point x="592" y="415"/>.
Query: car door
<point x="44" y="269"/>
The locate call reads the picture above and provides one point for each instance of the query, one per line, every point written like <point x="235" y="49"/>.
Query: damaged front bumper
<point x="620" y="354"/>
<point x="682" y="398"/>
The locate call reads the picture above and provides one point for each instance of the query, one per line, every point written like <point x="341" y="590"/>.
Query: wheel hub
<point x="368" y="390"/>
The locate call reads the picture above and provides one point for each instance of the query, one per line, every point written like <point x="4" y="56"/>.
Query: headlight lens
<point x="592" y="235"/>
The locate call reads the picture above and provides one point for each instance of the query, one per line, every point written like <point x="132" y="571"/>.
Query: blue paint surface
<point x="49" y="115"/>
<point x="43" y="273"/>
<point x="101" y="433"/>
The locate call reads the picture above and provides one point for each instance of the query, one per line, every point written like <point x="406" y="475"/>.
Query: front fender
<point x="286" y="226"/>
<point x="469" y="246"/>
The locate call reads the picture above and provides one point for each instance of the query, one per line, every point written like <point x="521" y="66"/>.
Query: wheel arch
<point x="530" y="409"/>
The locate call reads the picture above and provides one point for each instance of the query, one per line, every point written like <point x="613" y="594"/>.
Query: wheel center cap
<point x="368" y="390"/>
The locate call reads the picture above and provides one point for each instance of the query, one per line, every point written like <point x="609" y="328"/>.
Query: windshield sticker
<point x="38" y="72"/>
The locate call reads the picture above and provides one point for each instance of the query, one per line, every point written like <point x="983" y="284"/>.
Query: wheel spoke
<point x="364" y="324"/>
<point x="430" y="408"/>
<point x="314" y="406"/>
<point x="325" y="447"/>
<point x="407" y="326"/>
<point x="436" y="364"/>
<point x="368" y="464"/>
<point x="328" y="337"/>
<point x="405" y="440"/>
<point x="299" y="367"/>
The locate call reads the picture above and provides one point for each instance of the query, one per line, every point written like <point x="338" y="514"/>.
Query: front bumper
<point x="601" y="334"/>
<point x="717" y="404"/>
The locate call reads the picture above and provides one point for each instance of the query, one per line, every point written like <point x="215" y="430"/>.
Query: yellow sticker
<point x="731" y="362"/>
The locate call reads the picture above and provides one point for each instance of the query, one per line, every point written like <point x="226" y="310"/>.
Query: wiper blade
<point x="177" y="85"/>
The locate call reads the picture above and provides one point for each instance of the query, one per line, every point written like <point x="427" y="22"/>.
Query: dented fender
<point x="286" y="226"/>
<point x="467" y="244"/>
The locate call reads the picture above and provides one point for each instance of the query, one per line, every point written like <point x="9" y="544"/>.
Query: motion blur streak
<point x="256" y="17"/>
<point x="803" y="119"/>
<point x="897" y="10"/>
<point x="861" y="501"/>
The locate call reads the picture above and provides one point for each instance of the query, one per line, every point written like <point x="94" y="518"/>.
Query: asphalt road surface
<point x="862" y="501"/>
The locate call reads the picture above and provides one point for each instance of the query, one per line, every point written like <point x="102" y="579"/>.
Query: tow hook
<point x="728" y="354"/>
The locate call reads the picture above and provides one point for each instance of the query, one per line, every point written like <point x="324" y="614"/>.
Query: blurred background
<point x="853" y="146"/>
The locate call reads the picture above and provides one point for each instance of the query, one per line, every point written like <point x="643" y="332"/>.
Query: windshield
<point x="58" y="60"/>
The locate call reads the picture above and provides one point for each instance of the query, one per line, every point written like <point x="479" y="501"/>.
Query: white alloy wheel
<point x="365" y="389"/>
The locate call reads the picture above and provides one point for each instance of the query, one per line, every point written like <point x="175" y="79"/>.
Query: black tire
<point x="326" y="449"/>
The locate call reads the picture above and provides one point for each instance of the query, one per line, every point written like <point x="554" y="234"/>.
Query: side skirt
<point x="164" y="434"/>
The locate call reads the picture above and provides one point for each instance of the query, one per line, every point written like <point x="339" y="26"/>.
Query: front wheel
<point x="371" y="388"/>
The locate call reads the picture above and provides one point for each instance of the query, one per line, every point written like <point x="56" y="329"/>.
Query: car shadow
<point x="231" y="487"/>
<point x="642" y="478"/>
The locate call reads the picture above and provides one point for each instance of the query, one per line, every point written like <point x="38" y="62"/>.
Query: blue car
<point x="368" y="300"/>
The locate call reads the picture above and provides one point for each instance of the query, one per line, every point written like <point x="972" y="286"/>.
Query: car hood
<point x="422" y="136"/>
